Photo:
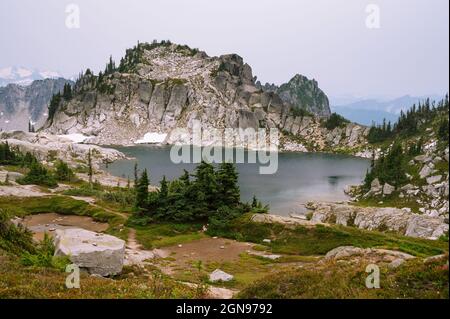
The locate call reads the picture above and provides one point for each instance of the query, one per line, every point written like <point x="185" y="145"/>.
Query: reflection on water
<point x="300" y="177"/>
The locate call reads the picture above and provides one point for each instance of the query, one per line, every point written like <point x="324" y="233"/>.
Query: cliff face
<point x="19" y="104"/>
<point x="302" y="94"/>
<point x="160" y="87"/>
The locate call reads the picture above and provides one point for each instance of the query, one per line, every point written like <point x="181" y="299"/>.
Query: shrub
<point x="44" y="256"/>
<point x="38" y="175"/>
<point x="63" y="172"/>
<point x="14" y="239"/>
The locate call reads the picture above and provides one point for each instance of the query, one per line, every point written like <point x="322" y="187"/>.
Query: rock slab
<point x="99" y="254"/>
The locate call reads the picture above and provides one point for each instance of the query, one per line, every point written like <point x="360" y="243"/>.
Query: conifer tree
<point x="90" y="169"/>
<point x="142" y="192"/>
<point x="228" y="189"/>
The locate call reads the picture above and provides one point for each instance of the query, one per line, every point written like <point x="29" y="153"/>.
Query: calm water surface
<point x="301" y="177"/>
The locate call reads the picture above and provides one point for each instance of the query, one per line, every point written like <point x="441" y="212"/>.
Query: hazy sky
<point x="323" y="39"/>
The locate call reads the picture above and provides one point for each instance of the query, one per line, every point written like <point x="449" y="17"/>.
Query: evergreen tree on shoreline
<point x="141" y="204"/>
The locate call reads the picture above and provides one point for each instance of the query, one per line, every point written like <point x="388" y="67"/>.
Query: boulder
<point x="426" y="227"/>
<point x="427" y="170"/>
<point x="375" y="186"/>
<point x="99" y="254"/>
<point x="388" y="189"/>
<point x="219" y="275"/>
<point x="434" y="179"/>
<point x="422" y="158"/>
<point x="10" y="176"/>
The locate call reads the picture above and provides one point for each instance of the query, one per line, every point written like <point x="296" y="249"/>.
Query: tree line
<point x="410" y="122"/>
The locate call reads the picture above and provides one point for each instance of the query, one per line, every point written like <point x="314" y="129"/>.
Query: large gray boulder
<point x="99" y="254"/>
<point x="388" y="189"/>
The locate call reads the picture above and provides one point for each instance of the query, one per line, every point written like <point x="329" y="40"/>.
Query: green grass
<point x="321" y="239"/>
<point x="246" y="270"/>
<point x="392" y="200"/>
<point x="414" y="280"/>
<point x="18" y="281"/>
<point x="54" y="204"/>
<point x="167" y="234"/>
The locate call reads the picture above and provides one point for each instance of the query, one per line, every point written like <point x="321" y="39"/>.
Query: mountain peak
<point x="24" y="76"/>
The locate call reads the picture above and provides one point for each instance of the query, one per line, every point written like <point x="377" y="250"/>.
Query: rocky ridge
<point x="172" y="86"/>
<point x="303" y="94"/>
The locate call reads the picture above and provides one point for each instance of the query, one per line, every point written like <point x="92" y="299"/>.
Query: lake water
<point x="301" y="177"/>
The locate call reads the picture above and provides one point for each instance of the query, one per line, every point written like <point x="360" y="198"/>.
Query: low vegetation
<point x="318" y="240"/>
<point x="19" y="281"/>
<point x="415" y="279"/>
<point x="18" y="241"/>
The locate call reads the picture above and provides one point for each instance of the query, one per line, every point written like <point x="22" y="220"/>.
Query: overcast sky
<point x="323" y="39"/>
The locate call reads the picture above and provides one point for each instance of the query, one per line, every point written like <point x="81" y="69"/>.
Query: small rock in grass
<point x="219" y="275"/>
<point x="396" y="263"/>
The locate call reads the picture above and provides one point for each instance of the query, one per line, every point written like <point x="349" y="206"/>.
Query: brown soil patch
<point x="208" y="250"/>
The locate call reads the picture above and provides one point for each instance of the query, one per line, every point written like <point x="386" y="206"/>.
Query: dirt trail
<point x="132" y="242"/>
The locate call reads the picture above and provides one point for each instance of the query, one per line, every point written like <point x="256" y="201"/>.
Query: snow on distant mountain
<point x="24" y="76"/>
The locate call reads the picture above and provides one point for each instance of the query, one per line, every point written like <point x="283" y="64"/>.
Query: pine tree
<point x="164" y="189"/>
<point x="254" y="202"/>
<point x="141" y="202"/>
<point x="136" y="173"/>
<point x="228" y="189"/>
<point x="53" y="106"/>
<point x="206" y="188"/>
<point x="67" y="92"/>
<point x="63" y="172"/>
<point x="90" y="169"/>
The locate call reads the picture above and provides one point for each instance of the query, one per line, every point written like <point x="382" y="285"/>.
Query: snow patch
<point x="75" y="137"/>
<point x="152" y="138"/>
<point x="49" y="74"/>
<point x="23" y="73"/>
<point x="6" y="73"/>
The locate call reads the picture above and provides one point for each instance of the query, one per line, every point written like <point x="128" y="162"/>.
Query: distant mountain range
<point x="24" y="76"/>
<point x="21" y="104"/>
<point x="367" y="111"/>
